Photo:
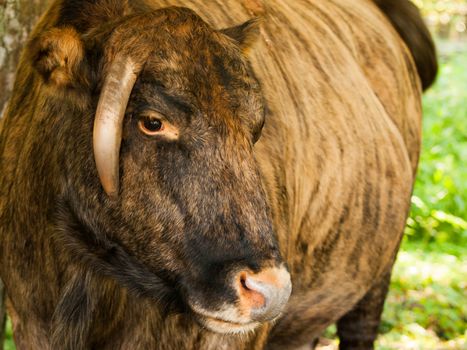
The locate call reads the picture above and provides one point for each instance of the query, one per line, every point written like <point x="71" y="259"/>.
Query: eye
<point x="152" y="123"/>
<point x="150" y="126"/>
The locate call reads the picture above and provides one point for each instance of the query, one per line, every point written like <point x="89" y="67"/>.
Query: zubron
<point x="178" y="175"/>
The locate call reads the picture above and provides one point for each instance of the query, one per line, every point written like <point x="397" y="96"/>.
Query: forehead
<point x="192" y="59"/>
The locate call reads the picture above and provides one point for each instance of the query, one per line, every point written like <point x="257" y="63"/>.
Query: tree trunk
<point x="17" y="18"/>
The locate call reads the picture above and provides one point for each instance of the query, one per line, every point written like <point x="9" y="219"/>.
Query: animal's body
<point x="337" y="161"/>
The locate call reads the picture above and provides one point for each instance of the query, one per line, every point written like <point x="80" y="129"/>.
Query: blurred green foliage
<point x="447" y="18"/>
<point x="453" y="7"/>
<point x="9" y="344"/>
<point x="426" y="306"/>
<point x="439" y="204"/>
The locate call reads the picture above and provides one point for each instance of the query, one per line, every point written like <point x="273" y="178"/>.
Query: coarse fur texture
<point x="299" y="143"/>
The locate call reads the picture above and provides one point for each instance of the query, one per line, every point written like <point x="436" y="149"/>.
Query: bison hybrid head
<point x="174" y="112"/>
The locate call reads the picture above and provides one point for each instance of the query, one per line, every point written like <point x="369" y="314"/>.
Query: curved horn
<point x="108" y="122"/>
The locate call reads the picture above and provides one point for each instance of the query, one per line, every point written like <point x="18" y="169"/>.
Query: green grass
<point x="9" y="344"/>
<point x="427" y="304"/>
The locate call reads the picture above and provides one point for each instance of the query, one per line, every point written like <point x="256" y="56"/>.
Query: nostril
<point x="243" y="281"/>
<point x="265" y="293"/>
<point x="250" y="297"/>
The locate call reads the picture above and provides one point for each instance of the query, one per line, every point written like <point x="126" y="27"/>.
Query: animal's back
<point x="339" y="151"/>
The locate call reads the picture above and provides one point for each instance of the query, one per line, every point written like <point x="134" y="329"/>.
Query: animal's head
<point x="174" y="119"/>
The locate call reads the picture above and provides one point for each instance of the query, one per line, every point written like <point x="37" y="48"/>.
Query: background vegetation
<point x="427" y="304"/>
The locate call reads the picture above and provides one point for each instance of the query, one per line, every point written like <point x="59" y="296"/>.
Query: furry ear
<point x="57" y="55"/>
<point x="245" y="34"/>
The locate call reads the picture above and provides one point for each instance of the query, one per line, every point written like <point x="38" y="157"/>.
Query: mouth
<point x="222" y="326"/>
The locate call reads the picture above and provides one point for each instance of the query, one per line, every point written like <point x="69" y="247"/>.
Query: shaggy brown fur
<point x="326" y="188"/>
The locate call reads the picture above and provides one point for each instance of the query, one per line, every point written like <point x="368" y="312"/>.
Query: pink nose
<point x="264" y="294"/>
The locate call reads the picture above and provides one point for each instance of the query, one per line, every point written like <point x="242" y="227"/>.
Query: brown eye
<point x="150" y="126"/>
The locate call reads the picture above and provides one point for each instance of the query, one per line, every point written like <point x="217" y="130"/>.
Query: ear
<point x="245" y="34"/>
<point x="57" y="55"/>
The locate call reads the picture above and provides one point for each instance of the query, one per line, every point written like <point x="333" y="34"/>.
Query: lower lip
<point x="226" y="327"/>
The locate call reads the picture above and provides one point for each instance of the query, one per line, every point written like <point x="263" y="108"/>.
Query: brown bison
<point x="168" y="175"/>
